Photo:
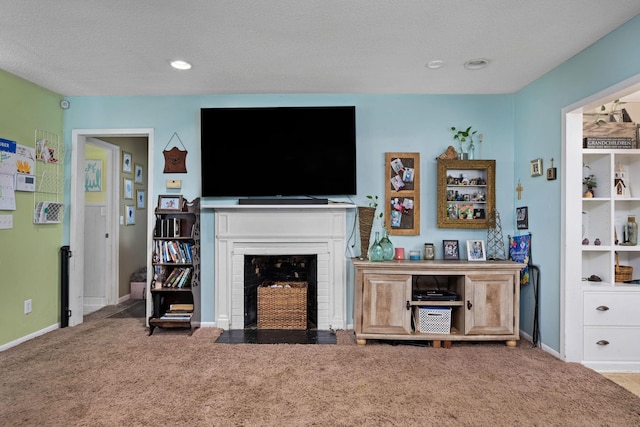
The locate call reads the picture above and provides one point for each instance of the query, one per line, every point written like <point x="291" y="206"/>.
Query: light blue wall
<point x="538" y="134"/>
<point x="385" y="123"/>
<point x="517" y="129"/>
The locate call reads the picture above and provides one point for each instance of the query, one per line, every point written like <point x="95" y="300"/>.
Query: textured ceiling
<point x="123" y="47"/>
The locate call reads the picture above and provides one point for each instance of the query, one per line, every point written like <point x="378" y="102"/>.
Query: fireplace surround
<point x="242" y="230"/>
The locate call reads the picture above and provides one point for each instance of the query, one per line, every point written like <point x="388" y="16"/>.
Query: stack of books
<point x="178" y="312"/>
<point x="178" y="278"/>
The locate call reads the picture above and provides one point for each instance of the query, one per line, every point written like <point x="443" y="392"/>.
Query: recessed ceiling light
<point x="436" y="63"/>
<point x="476" y="64"/>
<point x="180" y="65"/>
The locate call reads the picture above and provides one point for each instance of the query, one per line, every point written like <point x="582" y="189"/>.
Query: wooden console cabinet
<point x="487" y="307"/>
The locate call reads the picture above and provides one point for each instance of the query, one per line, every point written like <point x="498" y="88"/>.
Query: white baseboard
<point x="29" y="337"/>
<point x="544" y="347"/>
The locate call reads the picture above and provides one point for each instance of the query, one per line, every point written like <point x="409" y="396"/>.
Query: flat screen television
<point x="255" y="152"/>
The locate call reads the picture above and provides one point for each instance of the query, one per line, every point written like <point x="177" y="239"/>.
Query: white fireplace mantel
<point x="280" y="230"/>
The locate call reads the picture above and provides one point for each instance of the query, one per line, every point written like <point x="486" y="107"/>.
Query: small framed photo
<point x="170" y="203"/>
<point x="127" y="189"/>
<point x="140" y="199"/>
<point x="475" y="250"/>
<point x="536" y="167"/>
<point x="450" y="249"/>
<point x="129" y="215"/>
<point x="127" y="162"/>
<point x="138" y="173"/>
<point x="522" y="217"/>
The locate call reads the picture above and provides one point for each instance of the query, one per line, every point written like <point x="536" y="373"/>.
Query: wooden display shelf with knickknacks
<point x="466" y="193"/>
<point x="176" y="264"/>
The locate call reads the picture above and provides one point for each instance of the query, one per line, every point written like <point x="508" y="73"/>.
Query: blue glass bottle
<point x="387" y="247"/>
<point x="376" y="253"/>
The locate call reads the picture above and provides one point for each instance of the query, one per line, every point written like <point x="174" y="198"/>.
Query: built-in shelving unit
<point x="610" y="328"/>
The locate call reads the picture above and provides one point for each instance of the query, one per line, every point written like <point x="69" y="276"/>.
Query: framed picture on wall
<point x="536" y="167"/>
<point x="127" y="162"/>
<point x="402" y="193"/>
<point x="140" y="199"/>
<point x="127" y="189"/>
<point x="93" y="175"/>
<point x="138" y="174"/>
<point x="522" y="217"/>
<point x="129" y="215"/>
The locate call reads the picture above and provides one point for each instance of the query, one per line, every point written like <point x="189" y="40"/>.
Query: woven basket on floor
<point x="282" y="307"/>
<point x="623" y="272"/>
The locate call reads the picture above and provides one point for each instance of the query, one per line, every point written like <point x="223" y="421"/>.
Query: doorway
<point x="571" y="296"/>
<point x="79" y="139"/>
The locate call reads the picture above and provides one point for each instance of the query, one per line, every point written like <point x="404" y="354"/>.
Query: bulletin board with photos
<point x="402" y="195"/>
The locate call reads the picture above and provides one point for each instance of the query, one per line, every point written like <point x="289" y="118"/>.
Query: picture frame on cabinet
<point x="127" y="162"/>
<point x="129" y="215"/>
<point x="522" y="218"/>
<point x="450" y="249"/>
<point x="476" y="251"/>
<point x="536" y="167"/>
<point x="170" y="202"/>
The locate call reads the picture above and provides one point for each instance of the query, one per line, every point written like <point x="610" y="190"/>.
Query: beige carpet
<point x="108" y="372"/>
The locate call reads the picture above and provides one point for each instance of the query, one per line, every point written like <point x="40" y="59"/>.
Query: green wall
<point x="29" y="253"/>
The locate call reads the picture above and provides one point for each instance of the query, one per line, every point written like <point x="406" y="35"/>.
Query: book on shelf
<point x="608" y="142"/>
<point x="167" y="227"/>
<point x="172" y="278"/>
<point x="175" y="316"/>
<point x="181" y="306"/>
<point x="178" y="278"/>
<point x="178" y="313"/>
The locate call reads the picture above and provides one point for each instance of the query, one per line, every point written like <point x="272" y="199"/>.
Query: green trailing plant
<point x="614" y="114"/>
<point x="373" y="203"/>
<point x="463" y="135"/>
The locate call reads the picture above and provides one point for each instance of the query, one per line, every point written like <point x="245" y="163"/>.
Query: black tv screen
<point x="278" y="151"/>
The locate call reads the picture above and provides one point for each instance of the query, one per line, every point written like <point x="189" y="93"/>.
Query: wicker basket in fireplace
<point x="282" y="305"/>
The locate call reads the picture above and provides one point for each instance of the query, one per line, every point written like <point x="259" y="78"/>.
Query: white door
<point x="96" y="251"/>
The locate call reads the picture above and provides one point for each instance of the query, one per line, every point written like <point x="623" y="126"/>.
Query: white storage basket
<point x="434" y="320"/>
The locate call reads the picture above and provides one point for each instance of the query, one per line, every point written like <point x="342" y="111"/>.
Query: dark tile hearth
<point x="276" y="336"/>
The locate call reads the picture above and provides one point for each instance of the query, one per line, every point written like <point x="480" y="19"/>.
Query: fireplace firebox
<point x="266" y="269"/>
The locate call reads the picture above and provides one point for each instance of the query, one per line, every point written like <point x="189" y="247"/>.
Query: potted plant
<point x="462" y="136"/>
<point x="613" y="115"/>
<point x="589" y="181"/>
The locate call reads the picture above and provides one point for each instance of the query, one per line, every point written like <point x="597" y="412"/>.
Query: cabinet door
<point x="489" y="304"/>
<point x="384" y="307"/>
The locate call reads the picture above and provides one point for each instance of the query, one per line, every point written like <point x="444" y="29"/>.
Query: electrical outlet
<point x="27" y="306"/>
